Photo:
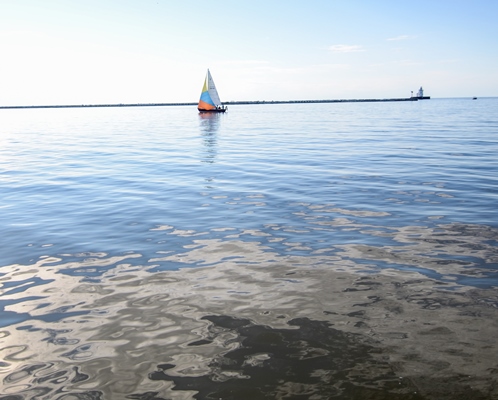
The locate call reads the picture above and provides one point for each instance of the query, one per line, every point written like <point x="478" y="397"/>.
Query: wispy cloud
<point x="401" y="37"/>
<point x="346" y="48"/>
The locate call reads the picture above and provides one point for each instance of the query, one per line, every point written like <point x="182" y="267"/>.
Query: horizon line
<point x="241" y="102"/>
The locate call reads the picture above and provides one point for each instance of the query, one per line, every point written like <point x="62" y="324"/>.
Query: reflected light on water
<point x="337" y="251"/>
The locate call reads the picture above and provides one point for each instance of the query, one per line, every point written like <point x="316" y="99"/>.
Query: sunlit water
<point x="119" y="226"/>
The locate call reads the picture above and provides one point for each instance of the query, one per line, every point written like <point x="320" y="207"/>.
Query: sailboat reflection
<point x="209" y="124"/>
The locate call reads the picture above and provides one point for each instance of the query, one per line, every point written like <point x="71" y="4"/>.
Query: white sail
<point x="212" y="90"/>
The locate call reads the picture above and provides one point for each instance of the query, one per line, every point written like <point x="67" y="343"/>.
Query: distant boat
<point x="474" y="98"/>
<point x="210" y="101"/>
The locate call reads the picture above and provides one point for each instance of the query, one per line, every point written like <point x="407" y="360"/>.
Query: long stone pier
<point x="225" y="103"/>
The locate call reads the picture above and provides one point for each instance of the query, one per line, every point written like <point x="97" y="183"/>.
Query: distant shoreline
<point x="225" y="103"/>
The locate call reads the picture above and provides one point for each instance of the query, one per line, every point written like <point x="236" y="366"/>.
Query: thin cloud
<point x="401" y="37"/>
<point x="345" y="48"/>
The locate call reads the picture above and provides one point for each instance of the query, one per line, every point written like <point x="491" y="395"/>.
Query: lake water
<point x="156" y="253"/>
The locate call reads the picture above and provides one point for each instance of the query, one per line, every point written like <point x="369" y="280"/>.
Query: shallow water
<point x="128" y="232"/>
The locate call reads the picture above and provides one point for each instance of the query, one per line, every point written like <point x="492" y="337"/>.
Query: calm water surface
<point x="100" y="208"/>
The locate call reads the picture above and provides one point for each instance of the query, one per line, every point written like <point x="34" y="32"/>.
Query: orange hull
<point x="205" y="106"/>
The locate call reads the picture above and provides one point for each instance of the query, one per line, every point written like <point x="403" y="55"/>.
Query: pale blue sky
<point x="125" y="51"/>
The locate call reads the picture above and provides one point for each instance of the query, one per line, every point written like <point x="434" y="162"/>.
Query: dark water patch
<point x="308" y="360"/>
<point x="145" y="396"/>
<point x="200" y="342"/>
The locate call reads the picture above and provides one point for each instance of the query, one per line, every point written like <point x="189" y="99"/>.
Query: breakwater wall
<point x="326" y="101"/>
<point x="225" y="103"/>
<point x="104" y="105"/>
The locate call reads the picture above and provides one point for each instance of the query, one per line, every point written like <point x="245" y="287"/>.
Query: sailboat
<point x="210" y="101"/>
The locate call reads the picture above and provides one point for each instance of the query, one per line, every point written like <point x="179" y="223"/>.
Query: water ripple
<point x="270" y="253"/>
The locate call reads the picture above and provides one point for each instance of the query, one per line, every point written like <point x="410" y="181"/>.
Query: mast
<point x="212" y="90"/>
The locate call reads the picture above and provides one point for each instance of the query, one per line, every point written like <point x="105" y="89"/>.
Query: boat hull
<point x="214" y="110"/>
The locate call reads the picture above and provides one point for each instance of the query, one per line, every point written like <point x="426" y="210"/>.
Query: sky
<point x="148" y="51"/>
